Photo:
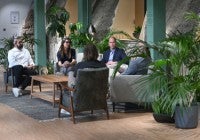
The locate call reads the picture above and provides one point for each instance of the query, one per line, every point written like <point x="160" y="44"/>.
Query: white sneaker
<point x="64" y="112"/>
<point x="16" y="92"/>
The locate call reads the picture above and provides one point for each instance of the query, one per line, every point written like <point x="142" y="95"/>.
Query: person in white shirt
<point x="20" y="61"/>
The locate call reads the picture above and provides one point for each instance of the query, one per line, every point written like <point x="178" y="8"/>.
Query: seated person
<point x="21" y="63"/>
<point x="113" y="55"/>
<point x="66" y="56"/>
<point x="90" y="55"/>
<point x="138" y="65"/>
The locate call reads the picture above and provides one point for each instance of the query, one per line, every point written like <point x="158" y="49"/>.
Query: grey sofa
<point x="122" y="90"/>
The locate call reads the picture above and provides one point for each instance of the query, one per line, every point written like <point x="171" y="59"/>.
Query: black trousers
<point x="22" y="76"/>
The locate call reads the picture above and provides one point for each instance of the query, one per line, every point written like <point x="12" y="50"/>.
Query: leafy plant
<point x="50" y="67"/>
<point x="8" y="44"/>
<point x="29" y="41"/>
<point x="78" y="37"/>
<point x="56" y="19"/>
<point x="137" y="31"/>
<point x="173" y="78"/>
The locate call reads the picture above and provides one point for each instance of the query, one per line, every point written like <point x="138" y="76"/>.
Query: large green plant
<point x="56" y="19"/>
<point x="173" y="79"/>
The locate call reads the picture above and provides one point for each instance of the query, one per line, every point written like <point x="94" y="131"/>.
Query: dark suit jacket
<point x="118" y="55"/>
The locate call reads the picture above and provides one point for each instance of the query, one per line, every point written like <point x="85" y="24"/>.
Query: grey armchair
<point x="89" y="93"/>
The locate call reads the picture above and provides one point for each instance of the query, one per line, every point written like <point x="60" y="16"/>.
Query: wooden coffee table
<point x="48" y="95"/>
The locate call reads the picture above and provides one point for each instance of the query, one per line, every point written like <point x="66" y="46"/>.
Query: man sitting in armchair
<point x="21" y="63"/>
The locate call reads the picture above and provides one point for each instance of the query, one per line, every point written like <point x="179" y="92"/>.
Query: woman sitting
<point x="66" y="56"/>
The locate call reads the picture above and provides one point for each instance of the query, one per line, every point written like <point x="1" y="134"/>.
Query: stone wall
<point x="103" y="12"/>
<point x="175" y="12"/>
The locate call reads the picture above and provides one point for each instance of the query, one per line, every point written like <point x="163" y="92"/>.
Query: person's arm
<point x="31" y="64"/>
<point x="132" y="68"/>
<point x="11" y="59"/>
<point x="59" y="60"/>
<point x="73" y="53"/>
<point x="104" y="59"/>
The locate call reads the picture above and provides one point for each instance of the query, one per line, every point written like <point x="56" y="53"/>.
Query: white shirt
<point x="19" y="57"/>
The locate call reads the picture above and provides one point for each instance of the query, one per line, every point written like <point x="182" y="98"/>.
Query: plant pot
<point x="198" y="103"/>
<point x="186" y="118"/>
<point x="163" y="118"/>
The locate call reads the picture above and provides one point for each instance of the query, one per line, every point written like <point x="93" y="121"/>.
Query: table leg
<point x="54" y="88"/>
<point x="32" y="80"/>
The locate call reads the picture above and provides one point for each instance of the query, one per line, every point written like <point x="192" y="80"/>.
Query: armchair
<point x="9" y="79"/>
<point x="89" y="93"/>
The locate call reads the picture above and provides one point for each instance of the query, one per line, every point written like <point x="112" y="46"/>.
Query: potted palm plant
<point x="175" y="78"/>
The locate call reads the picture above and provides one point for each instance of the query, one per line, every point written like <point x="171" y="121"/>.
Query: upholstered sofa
<point x="123" y="90"/>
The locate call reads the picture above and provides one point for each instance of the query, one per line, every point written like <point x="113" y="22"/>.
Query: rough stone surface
<point x="103" y="12"/>
<point x="175" y="12"/>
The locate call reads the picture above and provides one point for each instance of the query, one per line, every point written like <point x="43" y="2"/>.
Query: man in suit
<point x="113" y="55"/>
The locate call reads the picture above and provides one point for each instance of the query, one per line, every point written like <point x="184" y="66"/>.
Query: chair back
<point x="90" y="89"/>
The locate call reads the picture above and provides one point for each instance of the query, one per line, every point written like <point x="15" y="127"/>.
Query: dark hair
<point x="61" y="49"/>
<point x="17" y="39"/>
<point x="90" y="53"/>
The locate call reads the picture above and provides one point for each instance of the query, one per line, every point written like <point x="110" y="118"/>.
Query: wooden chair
<point x="9" y="79"/>
<point x="89" y="93"/>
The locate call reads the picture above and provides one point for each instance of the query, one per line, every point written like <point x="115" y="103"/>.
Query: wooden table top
<point x="50" y="78"/>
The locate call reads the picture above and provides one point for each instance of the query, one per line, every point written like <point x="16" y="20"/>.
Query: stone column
<point x="40" y="33"/>
<point x="156" y="24"/>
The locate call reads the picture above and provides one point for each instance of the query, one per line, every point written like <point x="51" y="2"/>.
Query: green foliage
<point x="8" y="44"/>
<point x="174" y="79"/>
<point x="29" y="41"/>
<point x="56" y="19"/>
<point x="79" y="39"/>
<point x="137" y="31"/>
<point x="50" y="67"/>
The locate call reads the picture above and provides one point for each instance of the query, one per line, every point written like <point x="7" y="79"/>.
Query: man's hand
<point x="30" y="67"/>
<point x="111" y="64"/>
